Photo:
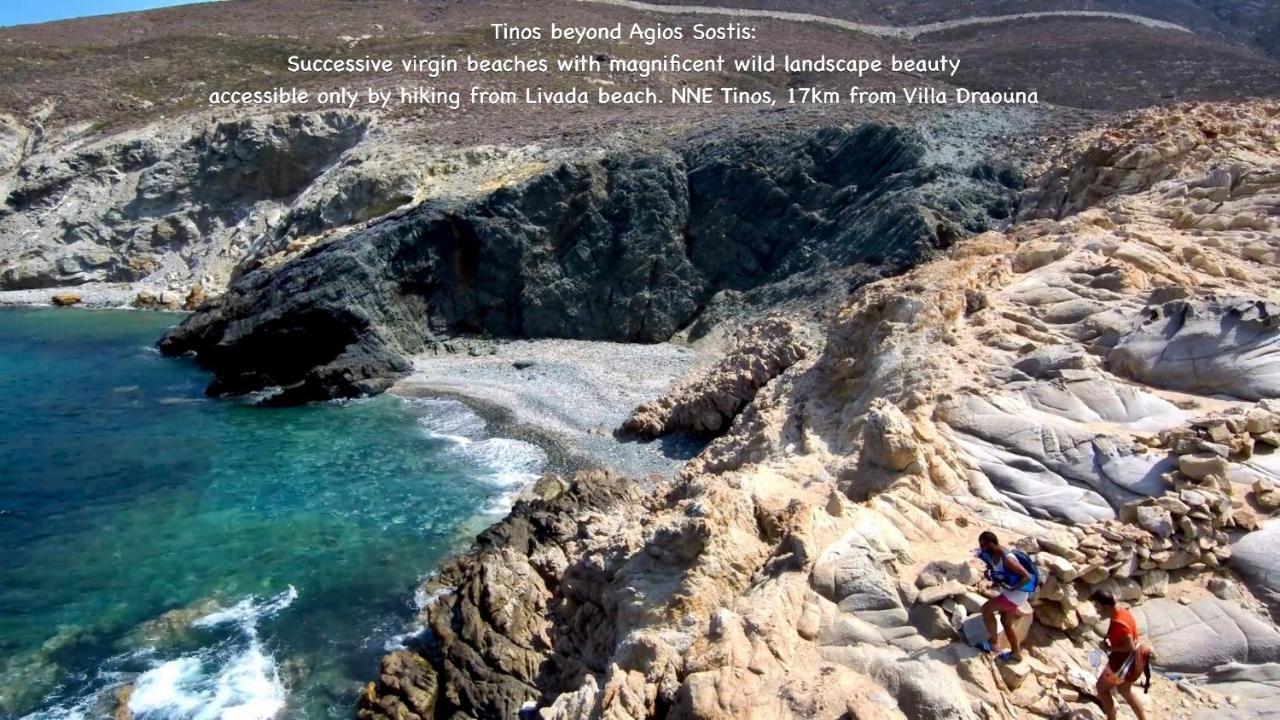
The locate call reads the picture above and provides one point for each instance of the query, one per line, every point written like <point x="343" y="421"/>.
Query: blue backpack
<point x="997" y="573"/>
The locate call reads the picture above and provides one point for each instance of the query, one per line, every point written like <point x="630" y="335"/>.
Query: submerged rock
<point x="405" y="690"/>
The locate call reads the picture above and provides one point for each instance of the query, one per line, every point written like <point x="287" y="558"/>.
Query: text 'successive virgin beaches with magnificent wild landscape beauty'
<point x="760" y="359"/>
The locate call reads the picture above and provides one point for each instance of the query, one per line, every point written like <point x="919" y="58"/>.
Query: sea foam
<point x="504" y="463"/>
<point x="232" y="680"/>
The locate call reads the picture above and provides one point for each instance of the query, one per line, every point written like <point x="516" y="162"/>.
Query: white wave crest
<point x="233" y="680"/>
<point x="505" y="462"/>
<point x="449" y="420"/>
<point x="248" y="611"/>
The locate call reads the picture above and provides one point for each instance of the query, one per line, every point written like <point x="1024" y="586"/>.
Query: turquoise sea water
<point x="221" y="560"/>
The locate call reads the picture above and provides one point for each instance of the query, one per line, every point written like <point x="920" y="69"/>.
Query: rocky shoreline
<point x="1086" y="362"/>
<point x="633" y="246"/>
<point x="786" y="362"/>
<point x="573" y="393"/>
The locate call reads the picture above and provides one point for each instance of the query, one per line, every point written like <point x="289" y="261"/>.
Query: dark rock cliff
<point x="629" y="247"/>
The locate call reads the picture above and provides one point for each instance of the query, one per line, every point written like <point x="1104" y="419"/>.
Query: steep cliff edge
<point x="629" y="245"/>
<point x="814" y="560"/>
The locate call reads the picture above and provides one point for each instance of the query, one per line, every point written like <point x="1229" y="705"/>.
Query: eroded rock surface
<point x="1211" y="345"/>
<point x="708" y="404"/>
<point x="815" y="559"/>
<point x="1207" y="633"/>
<point x="182" y="204"/>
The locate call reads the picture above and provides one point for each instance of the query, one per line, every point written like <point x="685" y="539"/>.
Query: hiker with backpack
<point x="1127" y="658"/>
<point x="1016" y="575"/>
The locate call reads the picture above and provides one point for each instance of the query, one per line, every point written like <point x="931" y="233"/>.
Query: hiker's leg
<point x="989" y="618"/>
<point x="1010" y="619"/>
<point x="1126" y="692"/>
<point x="1105" y="686"/>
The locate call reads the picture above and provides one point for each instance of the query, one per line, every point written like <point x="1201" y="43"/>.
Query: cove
<point x="205" y="557"/>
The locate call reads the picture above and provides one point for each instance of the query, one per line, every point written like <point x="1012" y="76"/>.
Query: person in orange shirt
<point x="1126" y="656"/>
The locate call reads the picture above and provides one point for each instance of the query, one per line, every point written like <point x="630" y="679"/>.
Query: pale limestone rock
<point x="707" y="404"/>
<point x="1199" y="466"/>
<point x="778" y="567"/>
<point x="890" y="441"/>
<point x="1155" y="583"/>
<point x="1155" y="520"/>
<point x="1206" y="633"/>
<point x="938" y="593"/>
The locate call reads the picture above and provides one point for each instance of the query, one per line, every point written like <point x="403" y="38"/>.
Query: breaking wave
<point x="235" y="679"/>
<point x="504" y="463"/>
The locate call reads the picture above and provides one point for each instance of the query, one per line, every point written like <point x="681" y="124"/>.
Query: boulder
<point x="1054" y="615"/>
<point x="1013" y="674"/>
<point x="122" y="696"/>
<point x="1266" y="494"/>
<point x="938" y="593"/>
<point x="1199" y="466"/>
<point x="1155" y="520"/>
<point x="1059" y="566"/>
<point x="1258" y="421"/>
<point x="1213" y="344"/>
<point x="1256" y="557"/>
<point x="65" y="299"/>
<point x="405" y="690"/>
<point x="940" y="571"/>
<point x="1206" y="633"/>
<point x="1225" y="588"/>
<point x="1155" y="583"/>
<point x="889" y="438"/>
<point x="932" y="622"/>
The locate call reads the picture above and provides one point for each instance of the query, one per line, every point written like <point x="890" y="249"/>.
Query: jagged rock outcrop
<point x="628" y="246"/>
<point x="1150" y="146"/>
<point x="406" y="689"/>
<point x="706" y="405"/>
<point x="524" y="614"/>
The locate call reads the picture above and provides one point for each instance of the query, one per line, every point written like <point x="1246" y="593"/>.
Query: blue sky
<point x="22" y="12"/>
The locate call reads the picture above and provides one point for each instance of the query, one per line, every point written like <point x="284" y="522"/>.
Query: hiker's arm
<point x="1125" y="644"/>
<point x="1012" y="565"/>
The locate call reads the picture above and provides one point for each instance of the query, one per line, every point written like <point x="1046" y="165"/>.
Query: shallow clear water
<point x="223" y="560"/>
